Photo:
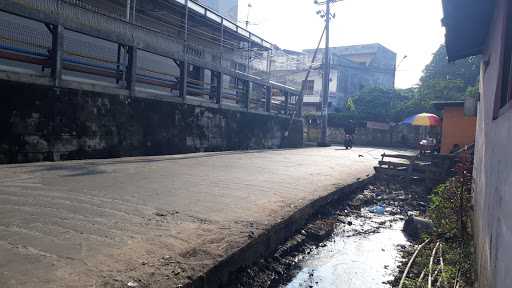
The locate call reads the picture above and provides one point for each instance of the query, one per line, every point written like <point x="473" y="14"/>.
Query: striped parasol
<point x="423" y="119"/>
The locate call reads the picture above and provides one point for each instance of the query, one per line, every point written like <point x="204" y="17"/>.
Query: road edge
<point x="267" y="242"/>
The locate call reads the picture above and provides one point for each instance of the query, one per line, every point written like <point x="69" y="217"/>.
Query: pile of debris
<point x="275" y="271"/>
<point x="396" y="199"/>
<point x="376" y="207"/>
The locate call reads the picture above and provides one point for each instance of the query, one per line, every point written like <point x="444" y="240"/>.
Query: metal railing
<point x="60" y="52"/>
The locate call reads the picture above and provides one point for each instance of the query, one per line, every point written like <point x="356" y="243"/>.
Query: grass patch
<point x="447" y="259"/>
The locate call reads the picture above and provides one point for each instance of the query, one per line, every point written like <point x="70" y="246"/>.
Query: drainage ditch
<point x="353" y="242"/>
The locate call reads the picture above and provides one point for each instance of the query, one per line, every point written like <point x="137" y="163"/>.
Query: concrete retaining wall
<point x="41" y="124"/>
<point x="400" y="136"/>
<point x="266" y="243"/>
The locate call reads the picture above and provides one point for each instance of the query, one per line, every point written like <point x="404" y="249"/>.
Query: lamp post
<point x="396" y="69"/>
<point x="327" y="70"/>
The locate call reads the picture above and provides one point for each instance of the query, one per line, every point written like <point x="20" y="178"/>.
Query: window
<point x="504" y="95"/>
<point x="308" y="86"/>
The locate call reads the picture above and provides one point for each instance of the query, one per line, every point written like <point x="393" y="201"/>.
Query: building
<point x="485" y="27"/>
<point x="227" y="8"/>
<point x="353" y="68"/>
<point x="458" y="128"/>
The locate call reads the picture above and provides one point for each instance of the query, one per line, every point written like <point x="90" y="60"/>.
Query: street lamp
<point x="396" y="69"/>
<point x="327" y="68"/>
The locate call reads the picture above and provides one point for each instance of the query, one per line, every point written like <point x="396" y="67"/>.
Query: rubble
<point x="132" y="284"/>
<point x="415" y="227"/>
<point x="389" y="203"/>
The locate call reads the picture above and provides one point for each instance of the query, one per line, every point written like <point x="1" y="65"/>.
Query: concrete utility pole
<point x="327" y="70"/>
<point x="247" y="22"/>
<point x="324" y="141"/>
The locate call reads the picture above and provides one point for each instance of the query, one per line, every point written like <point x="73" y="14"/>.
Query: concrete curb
<point x="267" y="242"/>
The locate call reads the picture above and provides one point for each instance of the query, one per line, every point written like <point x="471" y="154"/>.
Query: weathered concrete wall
<point x="493" y="170"/>
<point x="401" y="136"/>
<point x="39" y="124"/>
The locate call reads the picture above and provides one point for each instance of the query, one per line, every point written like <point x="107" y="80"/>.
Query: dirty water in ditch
<point x="353" y="258"/>
<point x="354" y="243"/>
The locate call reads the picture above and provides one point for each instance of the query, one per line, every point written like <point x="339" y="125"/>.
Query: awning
<point x="467" y="26"/>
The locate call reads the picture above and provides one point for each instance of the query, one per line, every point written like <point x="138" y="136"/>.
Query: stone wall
<point x="399" y="136"/>
<point x="41" y="124"/>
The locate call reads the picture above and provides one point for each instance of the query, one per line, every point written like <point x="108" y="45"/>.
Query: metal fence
<point x="69" y="53"/>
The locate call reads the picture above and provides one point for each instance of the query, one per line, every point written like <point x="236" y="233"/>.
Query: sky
<point x="408" y="27"/>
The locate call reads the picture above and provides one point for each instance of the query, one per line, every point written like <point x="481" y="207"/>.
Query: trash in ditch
<point x="133" y="284"/>
<point x="379" y="209"/>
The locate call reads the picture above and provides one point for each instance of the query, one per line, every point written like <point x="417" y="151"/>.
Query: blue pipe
<point x="106" y="67"/>
<point x="73" y="61"/>
<point x="23" y="51"/>
<point x="157" y="78"/>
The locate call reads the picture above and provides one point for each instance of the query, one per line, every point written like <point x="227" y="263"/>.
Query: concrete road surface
<point x="104" y="223"/>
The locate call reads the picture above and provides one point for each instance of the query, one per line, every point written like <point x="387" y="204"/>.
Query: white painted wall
<point x="493" y="172"/>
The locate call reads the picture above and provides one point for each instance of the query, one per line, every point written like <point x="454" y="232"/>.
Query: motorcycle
<point x="348" y="141"/>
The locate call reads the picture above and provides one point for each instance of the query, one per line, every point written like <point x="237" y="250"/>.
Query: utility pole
<point x="327" y="70"/>
<point x="300" y="100"/>
<point x="324" y="141"/>
<point x="247" y="22"/>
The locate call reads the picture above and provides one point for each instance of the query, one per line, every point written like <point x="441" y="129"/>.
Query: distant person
<point x="350" y="130"/>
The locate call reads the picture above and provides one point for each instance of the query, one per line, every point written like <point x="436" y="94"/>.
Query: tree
<point x="441" y="81"/>
<point x="439" y="69"/>
<point x="349" y="105"/>
<point x="373" y="103"/>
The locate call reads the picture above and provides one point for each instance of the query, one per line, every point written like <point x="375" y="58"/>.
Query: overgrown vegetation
<point x="446" y="260"/>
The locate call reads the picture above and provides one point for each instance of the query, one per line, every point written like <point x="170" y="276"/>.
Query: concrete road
<point x="108" y="222"/>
